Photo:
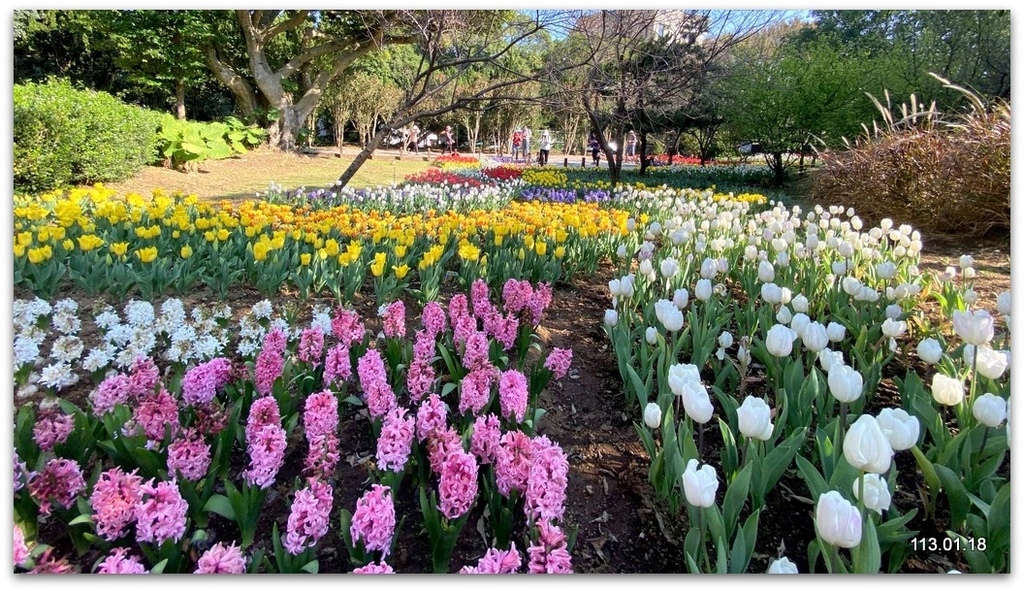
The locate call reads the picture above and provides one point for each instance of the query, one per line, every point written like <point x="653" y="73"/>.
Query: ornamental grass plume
<point x="270" y="360"/>
<point x="221" y="559"/>
<point x="513" y="394"/>
<point x="309" y="517"/>
<point x="547" y="482"/>
<point x="431" y="415"/>
<point x="515" y="456"/>
<point x="59" y="482"/>
<point x="52" y="427"/>
<point x="395" y="442"/>
<point x="496" y="562"/>
<point x="374" y="520"/>
<point x="188" y="455"/>
<point x="394" y="319"/>
<point x="338" y="365"/>
<point x="311" y="347"/>
<point x="549" y="554"/>
<point x="434" y="320"/>
<point x="113" y="502"/>
<point x="458" y="485"/>
<point x="160" y="514"/>
<point x="154" y="412"/>
<point x="202" y="382"/>
<point x="379" y="396"/>
<point x="374" y="569"/>
<point x="119" y="562"/>
<point x="486" y="438"/>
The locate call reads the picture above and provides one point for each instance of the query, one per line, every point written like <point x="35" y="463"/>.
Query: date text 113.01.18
<point x="947" y="544"/>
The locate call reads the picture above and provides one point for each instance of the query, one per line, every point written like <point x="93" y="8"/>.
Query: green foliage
<point x="64" y="136"/>
<point x="183" y="143"/>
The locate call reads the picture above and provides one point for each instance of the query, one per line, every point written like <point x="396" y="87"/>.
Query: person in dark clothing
<point x="595" y="149"/>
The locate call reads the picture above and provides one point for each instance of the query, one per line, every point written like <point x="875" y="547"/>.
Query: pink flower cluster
<point x="430" y="416"/>
<point x="549" y="554"/>
<point x="434" y="320"/>
<point x="394" y="320"/>
<point x="321" y="421"/>
<point x="373" y="523"/>
<point x="309" y="517"/>
<point x="546" y="485"/>
<point x="513" y="395"/>
<point x="59" y="482"/>
<point x="496" y="562"/>
<point x="395" y="442"/>
<point x="266" y="442"/>
<point x="270" y="360"/>
<point x="189" y="455"/>
<point x="221" y="559"/>
<point x="458" y="486"/>
<point x="154" y="412"/>
<point x="528" y="302"/>
<point x="119" y="562"/>
<point x="113" y="502"/>
<point x="485" y="441"/>
<point x="160" y="514"/>
<point x="512" y="469"/>
<point x="311" y="346"/>
<point x="419" y="379"/>
<point x="477" y="351"/>
<point x="380" y="398"/>
<point x="21" y="551"/>
<point x="558" y="362"/>
<point x="442" y="442"/>
<point x="347" y="327"/>
<point x="143" y="376"/>
<point x="112" y="391"/>
<point x="475" y="389"/>
<point x="20" y="472"/>
<point x="52" y="427"/>
<point x="202" y="382"/>
<point x="374" y="569"/>
<point x="337" y="366"/>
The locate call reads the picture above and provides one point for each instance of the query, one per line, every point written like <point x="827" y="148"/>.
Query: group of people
<point x="594" y="145"/>
<point x="521" y="145"/>
<point x="411" y="138"/>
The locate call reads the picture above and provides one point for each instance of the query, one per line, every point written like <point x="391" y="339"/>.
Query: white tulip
<point x="893" y="311"/>
<point x="835" y="331"/>
<point x="702" y="291"/>
<point x="621" y="251"/>
<point x="697" y="402"/>
<point x="900" y="428"/>
<point x="845" y="383"/>
<point x="613" y="288"/>
<point x="828" y="359"/>
<point x="814" y="337"/>
<point x="966" y="260"/>
<point x="976" y="328"/>
<point x="669" y="315"/>
<point x="784" y="316"/>
<point x="946" y="390"/>
<point x="798" y="323"/>
<point x="611" y="318"/>
<point x="771" y="293"/>
<point x="669" y="267"/>
<point x="651" y="335"/>
<point x="837" y="521"/>
<point x="646" y="267"/>
<point x="755" y="419"/>
<point x="779" y="340"/>
<point x="877" y="497"/>
<point x="1004" y="303"/>
<point x="893" y="329"/>
<point x="652" y="415"/>
<point x="885" y="270"/>
<point x="680" y="298"/>
<point x="852" y="286"/>
<point x="800" y="303"/>
<point x="725" y="339"/>
<point x="723" y="265"/>
<point x="990" y="410"/>
<point x="782" y="566"/>
<point x="700" y="485"/>
<point x="929" y="350"/>
<point x="990" y="363"/>
<point x="866" y="447"/>
<point x="765" y="272"/>
<point x="708" y="268"/>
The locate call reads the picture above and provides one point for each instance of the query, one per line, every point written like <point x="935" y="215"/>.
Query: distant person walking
<point x="631" y="144"/>
<point x="449" y="141"/>
<point x="595" y="149"/>
<point x="545" y="147"/>
<point x="414" y="137"/>
<point x="517" y="144"/>
<point x="527" y="135"/>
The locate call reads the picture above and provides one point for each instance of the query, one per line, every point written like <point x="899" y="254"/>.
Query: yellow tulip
<point x="24" y="238"/>
<point x="559" y="252"/>
<point x="223" y="234"/>
<point x="541" y="248"/>
<point x="87" y="242"/>
<point x="40" y="254"/>
<point x="146" y="255"/>
<point x="305" y="258"/>
<point x="401" y="271"/>
<point x="19" y="250"/>
<point x="400" y="251"/>
<point x="68" y="244"/>
<point x="119" y="248"/>
<point x="332" y="248"/>
<point x="186" y="251"/>
<point x="377" y="266"/>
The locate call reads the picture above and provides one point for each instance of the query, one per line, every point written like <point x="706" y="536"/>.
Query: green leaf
<point x="312" y="567"/>
<point x="959" y="502"/>
<point x="814" y="480"/>
<point x="84" y="518"/>
<point x="220" y="505"/>
<point x="867" y="556"/>
<point x="743" y="545"/>
<point x="638" y="386"/>
<point x="776" y="462"/>
<point x="735" y="497"/>
<point x="998" y="519"/>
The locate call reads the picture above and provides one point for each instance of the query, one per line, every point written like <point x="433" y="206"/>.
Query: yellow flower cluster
<point x="544" y="177"/>
<point x="755" y="198"/>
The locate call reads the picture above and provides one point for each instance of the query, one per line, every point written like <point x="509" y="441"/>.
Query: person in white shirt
<point x="545" y="147"/>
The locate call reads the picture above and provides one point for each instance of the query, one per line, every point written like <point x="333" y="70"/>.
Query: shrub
<point x="64" y="137"/>
<point x="183" y="144"/>
<point x="943" y="175"/>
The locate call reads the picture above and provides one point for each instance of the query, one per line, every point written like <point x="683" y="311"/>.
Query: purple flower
<point x="477" y="352"/>
<point x="374" y="520"/>
<point x="143" y="377"/>
<point x="270" y="361"/>
<point x="347" y="328"/>
<point x="58" y="482"/>
<point x="338" y="366"/>
<point x="221" y="559"/>
<point x="320" y="416"/>
<point x="160" y="515"/>
<point x="309" y="517"/>
<point x="475" y="389"/>
<point x="419" y="379"/>
<point x="155" y="411"/>
<point x="202" y="382"/>
<point x="112" y="391"/>
<point x="263" y="411"/>
<point x="380" y="398"/>
<point x="120" y="563"/>
<point x="52" y="427"/>
<point x="323" y="456"/>
<point x="512" y="470"/>
<point x="21" y="551"/>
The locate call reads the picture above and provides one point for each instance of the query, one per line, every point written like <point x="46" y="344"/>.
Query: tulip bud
<point x="893" y="312"/>
<point x="621" y="251"/>
<point x="611" y="318"/>
<point x="701" y="485"/>
<point x="815" y="338"/>
<point x="966" y="260"/>
<point x="835" y="332"/>
<point x="652" y="415"/>
<point x="784" y="316"/>
<point x="865" y="447"/>
<point x="782" y="566"/>
<point x="852" y="286"/>
<point x="630" y="224"/>
<point x="900" y="428"/>
<point x="646" y="267"/>
<point x="613" y="288"/>
<point x="885" y="270"/>
<point x="681" y="298"/>
<point x="626" y="286"/>
<point x="697" y="402"/>
<point x="755" y="419"/>
<point x="669" y="315"/>
<point x="1004" y="303"/>
<point x="800" y="303"/>
<point x="946" y="390"/>
<point x="798" y="323"/>
<point x="703" y="290"/>
<point x="750" y="252"/>
<point x="929" y="350"/>
<point x="893" y="329"/>
<point x="651" y="335"/>
<point x="976" y="328"/>
<point x="845" y="383"/>
<point x="765" y="272"/>
<point x="829" y="359"/>
<point x="725" y="339"/>
<point x="771" y="293"/>
<point x="877" y="497"/>
<point x="669" y="267"/>
<point x="990" y="410"/>
<point x="779" y="340"/>
<point x="837" y="521"/>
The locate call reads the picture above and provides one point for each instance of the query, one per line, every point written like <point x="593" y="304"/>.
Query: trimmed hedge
<point x="65" y="137"/>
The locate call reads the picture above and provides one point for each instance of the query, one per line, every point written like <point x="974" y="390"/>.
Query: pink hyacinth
<point x="346" y="327"/>
<point x="211" y="418"/>
<point x="323" y="456"/>
<point x="486" y="438"/>
<point x="442" y="443"/>
<point x="143" y="377"/>
<point x="496" y="562"/>
<point x="458" y="487"/>
<point x="155" y="412"/>
<point x="516" y="295"/>
<point x="424" y="346"/>
<point x="266" y="455"/>
<point x="419" y="379"/>
<point x="189" y="455"/>
<point x="320" y="416"/>
<point x="431" y="415"/>
<point x="374" y="569"/>
<point x="309" y="517"/>
<point x="59" y="482"/>
<point x="160" y="515"/>
<point x="539" y="302"/>
<point x="549" y="554"/>
<point x="394" y="320"/>
<point x="434" y="319"/>
<point x="513" y="394"/>
<point x="504" y="329"/>
<point x="458" y="307"/>
<point x="462" y="328"/>
<point x="395" y="442"/>
<point x="221" y="559"/>
<point x="338" y="365"/>
<point x="558" y="362"/>
<point x="311" y="347"/>
<point x="480" y="296"/>
<point x="270" y="360"/>
<point x="52" y="427"/>
<point x="112" y="391"/>
<point x="477" y="351"/>
<point x="380" y="398"/>
<point x="512" y="470"/>
<point x="548" y="480"/>
<point x="21" y="550"/>
<point x="263" y="411"/>
<point x="202" y="382"/>
<point x="49" y="564"/>
<point x="373" y="523"/>
<point x="475" y="389"/>
<point x="113" y="502"/>
<point x="119" y="562"/>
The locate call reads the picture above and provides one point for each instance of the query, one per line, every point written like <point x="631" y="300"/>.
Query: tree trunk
<point x="776" y="164"/>
<point x="179" y="99"/>
<point x="365" y="154"/>
<point x="643" y="153"/>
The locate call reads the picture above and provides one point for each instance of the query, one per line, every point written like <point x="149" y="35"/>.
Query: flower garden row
<point x="776" y="325"/>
